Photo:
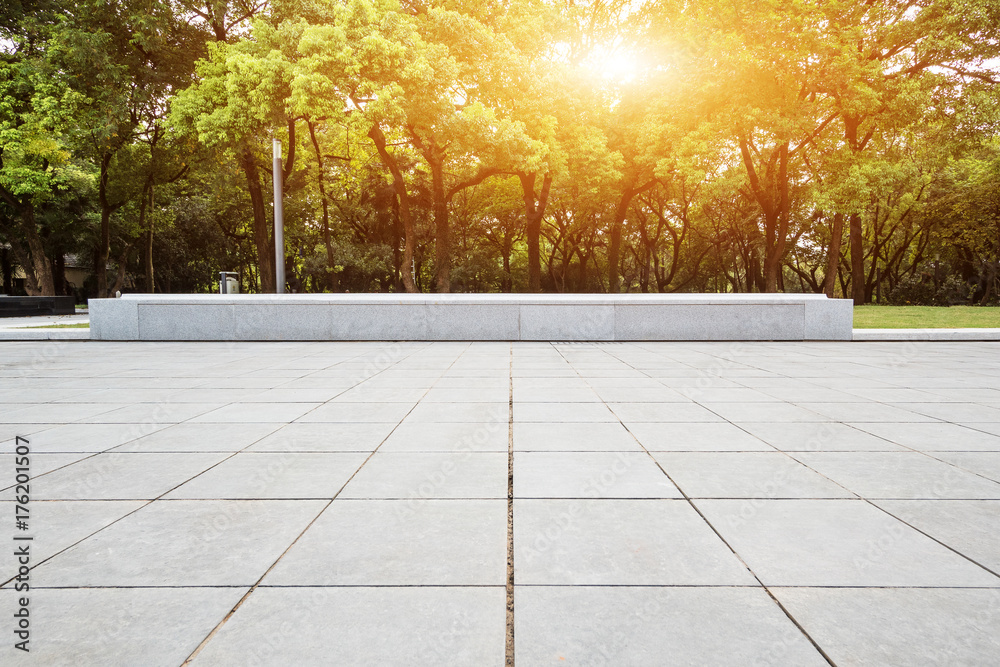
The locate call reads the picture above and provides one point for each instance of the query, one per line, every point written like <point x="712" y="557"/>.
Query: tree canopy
<point x="850" y="148"/>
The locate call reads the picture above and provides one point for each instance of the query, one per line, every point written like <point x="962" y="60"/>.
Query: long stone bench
<point x="563" y="317"/>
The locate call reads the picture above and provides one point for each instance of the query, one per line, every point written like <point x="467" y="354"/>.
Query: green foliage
<point x="702" y="145"/>
<point x="923" y="290"/>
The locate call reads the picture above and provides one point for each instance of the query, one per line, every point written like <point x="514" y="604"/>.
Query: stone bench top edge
<point x="476" y="299"/>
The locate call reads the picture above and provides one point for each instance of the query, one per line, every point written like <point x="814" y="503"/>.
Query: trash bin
<point x="229" y="282"/>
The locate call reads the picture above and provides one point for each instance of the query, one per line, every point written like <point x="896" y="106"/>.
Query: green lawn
<point x="925" y="317"/>
<point x="83" y="325"/>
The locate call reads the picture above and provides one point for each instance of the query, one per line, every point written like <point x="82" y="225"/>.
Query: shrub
<point x="921" y="290"/>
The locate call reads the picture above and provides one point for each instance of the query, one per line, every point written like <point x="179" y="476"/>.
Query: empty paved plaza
<point x="352" y="503"/>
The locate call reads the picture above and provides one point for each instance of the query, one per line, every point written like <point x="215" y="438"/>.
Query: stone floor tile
<point x="91" y="627"/>
<point x="8" y="432"/>
<point x="39" y="463"/>
<point x="422" y="475"/>
<point x="596" y="436"/>
<point x="59" y="524"/>
<point x="409" y="436"/>
<point x="970" y="527"/>
<point x="544" y="394"/>
<point x="867" y="412"/>
<point x="54" y="412"/>
<point x="695" y="436"/>
<point x="563" y="412"/>
<point x="152" y="414"/>
<point x="972" y="413"/>
<point x="746" y="475"/>
<point x="629" y="394"/>
<point x="198" y="437"/>
<point x="937" y="436"/>
<point x="439" y="394"/>
<point x="358" y="412"/>
<point x="619" y="542"/>
<point x="899" y="627"/>
<point x="377" y="391"/>
<point x="324" y="437"/>
<point x="418" y="542"/>
<point x="122" y="476"/>
<point x="271" y="475"/>
<point x="185" y="543"/>
<point x="427" y="412"/>
<point x="985" y="464"/>
<point x="88" y="437"/>
<point x="636" y="625"/>
<point x="899" y="475"/>
<point x="631" y="413"/>
<point x="293" y="395"/>
<point x="727" y="395"/>
<point x="818" y="437"/>
<point x="835" y="543"/>
<point x="363" y="626"/>
<point x="242" y="413"/>
<point x="589" y="475"/>
<point x="765" y="412"/>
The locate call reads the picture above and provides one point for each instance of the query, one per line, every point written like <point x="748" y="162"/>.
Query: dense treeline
<point x="844" y="147"/>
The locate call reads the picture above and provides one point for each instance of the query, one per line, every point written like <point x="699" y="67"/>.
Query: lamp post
<point x="279" y="221"/>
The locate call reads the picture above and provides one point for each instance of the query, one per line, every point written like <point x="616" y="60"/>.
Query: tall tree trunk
<point x="23" y="259"/>
<point x="532" y="232"/>
<point x="7" y="271"/>
<point x="615" y="243"/>
<point x="103" y="254"/>
<point x="120" y="276"/>
<point x="758" y="277"/>
<point x="442" y="240"/>
<point x="833" y="255"/>
<point x="145" y="212"/>
<point x="150" y="283"/>
<point x="773" y="205"/>
<point x="378" y="138"/>
<point x="857" y="260"/>
<point x="505" y="283"/>
<point x="991" y="279"/>
<point x="33" y="260"/>
<point x="41" y="267"/>
<point x="534" y="211"/>
<point x="104" y="247"/>
<point x="777" y="227"/>
<point x="321" y="182"/>
<point x="769" y="275"/>
<point x="59" y="273"/>
<point x="645" y="246"/>
<point x="397" y="254"/>
<point x="263" y="243"/>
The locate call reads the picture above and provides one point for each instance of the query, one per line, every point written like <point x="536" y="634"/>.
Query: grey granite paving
<point x="347" y="503"/>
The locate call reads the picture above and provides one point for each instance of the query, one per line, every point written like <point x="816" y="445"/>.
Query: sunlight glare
<point x="614" y="66"/>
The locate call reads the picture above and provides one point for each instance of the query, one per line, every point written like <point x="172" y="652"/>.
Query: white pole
<point x="279" y="221"/>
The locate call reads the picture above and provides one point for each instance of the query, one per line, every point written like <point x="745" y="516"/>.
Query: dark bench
<point x="26" y="306"/>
